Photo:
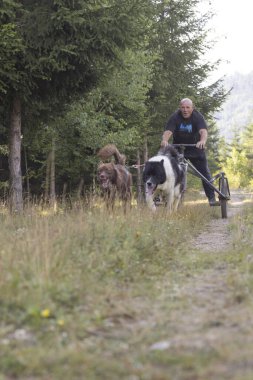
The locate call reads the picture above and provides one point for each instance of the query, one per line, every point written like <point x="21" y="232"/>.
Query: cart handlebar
<point x="183" y="145"/>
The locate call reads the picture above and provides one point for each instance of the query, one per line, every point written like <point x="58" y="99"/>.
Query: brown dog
<point x="114" y="179"/>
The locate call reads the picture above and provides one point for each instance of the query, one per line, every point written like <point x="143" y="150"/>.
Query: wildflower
<point x="44" y="212"/>
<point x="45" y="313"/>
<point x="60" y="322"/>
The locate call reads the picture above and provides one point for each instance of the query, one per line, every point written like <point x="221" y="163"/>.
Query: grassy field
<point x="91" y="295"/>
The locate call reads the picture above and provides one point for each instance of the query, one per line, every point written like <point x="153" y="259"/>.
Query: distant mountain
<point x="237" y="111"/>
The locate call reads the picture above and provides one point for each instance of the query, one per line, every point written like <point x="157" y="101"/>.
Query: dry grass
<point x="85" y="295"/>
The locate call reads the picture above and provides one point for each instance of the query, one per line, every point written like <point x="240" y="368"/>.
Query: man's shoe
<point x="213" y="202"/>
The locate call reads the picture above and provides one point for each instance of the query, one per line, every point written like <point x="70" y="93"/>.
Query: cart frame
<point x="223" y="187"/>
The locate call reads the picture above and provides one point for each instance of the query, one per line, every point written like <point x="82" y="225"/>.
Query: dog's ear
<point x="161" y="162"/>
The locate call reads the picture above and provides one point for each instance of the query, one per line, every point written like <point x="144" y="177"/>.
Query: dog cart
<point x="222" y="188"/>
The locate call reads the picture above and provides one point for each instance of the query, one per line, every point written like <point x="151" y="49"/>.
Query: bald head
<point x="186" y="107"/>
<point x="186" y="101"/>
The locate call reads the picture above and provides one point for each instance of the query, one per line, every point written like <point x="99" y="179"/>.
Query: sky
<point x="232" y="27"/>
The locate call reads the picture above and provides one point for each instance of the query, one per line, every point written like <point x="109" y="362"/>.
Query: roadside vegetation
<point x="87" y="294"/>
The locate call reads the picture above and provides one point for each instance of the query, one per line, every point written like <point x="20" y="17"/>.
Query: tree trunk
<point x="139" y="179"/>
<point x="145" y="149"/>
<point x="52" y="176"/>
<point x="64" y="192"/>
<point x="80" y="188"/>
<point x="48" y="169"/>
<point x="16" y="199"/>
<point x="27" y="178"/>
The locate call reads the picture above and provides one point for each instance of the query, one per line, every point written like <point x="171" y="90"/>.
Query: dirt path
<point x="216" y="236"/>
<point x="215" y="317"/>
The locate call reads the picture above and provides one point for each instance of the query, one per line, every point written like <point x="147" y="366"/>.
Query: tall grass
<point x="76" y="249"/>
<point x="78" y="288"/>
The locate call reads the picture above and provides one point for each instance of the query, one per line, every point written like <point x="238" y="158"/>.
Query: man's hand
<point x="164" y="143"/>
<point x="165" y="139"/>
<point x="203" y="137"/>
<point x="201" y="144"/>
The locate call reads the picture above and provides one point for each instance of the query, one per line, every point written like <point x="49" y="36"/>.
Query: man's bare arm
<point x="165" y="138"/>
<point x="203" y="139"/>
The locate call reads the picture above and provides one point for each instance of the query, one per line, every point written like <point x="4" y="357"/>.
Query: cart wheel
<point x="223" y="202"/>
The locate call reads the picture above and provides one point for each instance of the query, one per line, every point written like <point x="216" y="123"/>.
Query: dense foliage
<point x="238" y="162"/>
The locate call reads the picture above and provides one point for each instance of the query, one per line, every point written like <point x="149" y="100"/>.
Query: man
<point x="188" y="126"/>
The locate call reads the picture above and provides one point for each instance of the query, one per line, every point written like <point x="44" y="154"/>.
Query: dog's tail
<point x="111" y="150"/>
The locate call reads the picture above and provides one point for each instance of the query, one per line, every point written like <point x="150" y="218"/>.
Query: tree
<point x="237" y="164"/>
<point x="247" y="143"/>
<point x="236" y="169"/>
<point x="247" y="140"/>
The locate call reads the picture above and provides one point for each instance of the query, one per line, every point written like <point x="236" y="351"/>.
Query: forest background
<point x="76" y="75"/>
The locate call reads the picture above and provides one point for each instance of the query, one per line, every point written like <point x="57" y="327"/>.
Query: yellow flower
<point x="44" y="212"/>
<point x="60" y="322"/>
<point x="45" y="313"/>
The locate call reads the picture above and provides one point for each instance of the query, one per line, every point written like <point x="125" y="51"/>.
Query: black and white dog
<point x="164" y="173"/>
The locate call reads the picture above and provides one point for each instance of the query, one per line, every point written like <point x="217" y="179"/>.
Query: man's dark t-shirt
<point x="186" y="131"/>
